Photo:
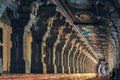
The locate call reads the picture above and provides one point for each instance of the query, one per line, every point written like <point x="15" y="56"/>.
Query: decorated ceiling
<point x="84" y="15"/>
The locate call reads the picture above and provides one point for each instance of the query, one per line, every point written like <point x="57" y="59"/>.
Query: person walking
<point x="107" y="69"/>
<point x="102" y="70"/>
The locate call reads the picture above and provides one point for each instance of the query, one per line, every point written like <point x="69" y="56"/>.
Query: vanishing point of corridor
<point x="59" y="39"/>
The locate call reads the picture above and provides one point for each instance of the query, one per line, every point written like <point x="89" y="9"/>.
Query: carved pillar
<point x="86" y="65"/>
<point x="5" y="45"/>
<point x="90" y="66"/>
<point x="67" y="49"/>
<point x="78" y="59"/>
<point x="31" y="22"/>
<point x="49" y="48"/>
<point x="81" y="62"/>
<point x="84" y="61"/>
<point x="72" y="43"/>
<point x="52" y="45"/>
<point x="54" y="48"/>
<point x="27" y="43"/>
<point x="87" y="62"/>
<point x="73" y="59"/>
<point x="40" y="32"/>
<point x="59" y="54"/>
<point x="28" y="53"/>
<point x="72" y="55"/>
<point x="92" y="70"/>
<point x="67" y="36"/>
<point x="1" y="50"/>
<point x="43" y="46"/>
<point x="95" y="67"/>
<point x="37" y="33"/>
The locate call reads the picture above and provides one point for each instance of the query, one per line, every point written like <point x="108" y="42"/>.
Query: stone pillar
<point x="95" y="67"/>
<point x="66" y="70"/>
<point x="67" y="32"/>
<point x="6" y="47"/>
<point x="69" y="58"/>
<point x="90" y="66"/>
<point x="81" y="63"/>
<point x="28" y="53"/>
<point x="27" y="43"/>
<point x="67" y="36"/>
<point x="72" y="55"/>
<point x="88" y="62"/>
<point x="78" y="59"/>
<point x="68" y="66"/>
<point x="85" y="64"/>
<point x="1" y="50"/>
<point x="52" y="44"/>
<point x="59" y="55"/>
<point x="36" y="64"/>
<point x="40" y="32"/>
<point x="43" y="46"/>
<point x="73" y="59"/>
<point x="83" y="60"/>
<point x="49" y="59"/>
<point x="55" y="54"/>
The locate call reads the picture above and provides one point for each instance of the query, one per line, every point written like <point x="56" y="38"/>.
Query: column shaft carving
<point x="77" y="45"/>
<point x="6" y="47"/>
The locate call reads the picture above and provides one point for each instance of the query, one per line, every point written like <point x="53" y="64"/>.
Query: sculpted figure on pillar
<point x="35" y="7"/>
<point x="50" y="21"/>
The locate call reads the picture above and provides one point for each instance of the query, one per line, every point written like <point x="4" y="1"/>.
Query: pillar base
<point x="50" y="69"/>
<point x="18" y="67"/>
<point x="66" y="70"/>
<point x="37" y="68"/>
<point x="71" y="70"/>
<point x="60" y="69"/>
<point x="76" y="70"/>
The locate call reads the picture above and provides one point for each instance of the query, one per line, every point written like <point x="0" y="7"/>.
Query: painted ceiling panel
<point x="83" y="14"/>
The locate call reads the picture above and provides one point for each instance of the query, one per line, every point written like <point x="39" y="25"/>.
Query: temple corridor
<point x="59" y="39"/>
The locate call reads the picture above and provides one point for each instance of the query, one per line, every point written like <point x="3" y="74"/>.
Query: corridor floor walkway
<point x="52" y="77"/>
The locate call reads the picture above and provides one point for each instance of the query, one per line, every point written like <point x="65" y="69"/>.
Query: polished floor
<point x="89" y="76"/>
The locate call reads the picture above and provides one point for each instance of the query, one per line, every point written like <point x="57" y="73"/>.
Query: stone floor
<point x="52" y="77"/>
